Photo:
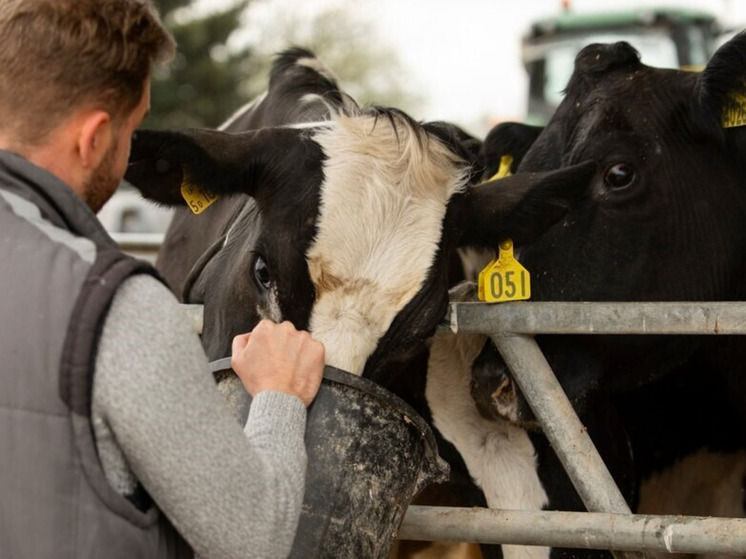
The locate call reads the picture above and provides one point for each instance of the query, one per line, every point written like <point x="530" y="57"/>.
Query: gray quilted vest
<point x="58" y="273"/>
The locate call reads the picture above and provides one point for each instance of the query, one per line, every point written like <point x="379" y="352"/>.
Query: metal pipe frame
<point x="719" y="318"/>
<point x="510" y="326"/>
<point x="583" y="530"/>
<point x="599" y="318"/>
<point x="561" y="425"/>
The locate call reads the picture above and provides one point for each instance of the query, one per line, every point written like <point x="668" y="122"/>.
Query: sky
<point x="463" y="56"/>
<point x="466" y="53"/>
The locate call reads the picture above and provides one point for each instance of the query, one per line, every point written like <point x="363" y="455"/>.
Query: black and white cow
<point x="340" y="218"/>
<point x="665" y="221"/>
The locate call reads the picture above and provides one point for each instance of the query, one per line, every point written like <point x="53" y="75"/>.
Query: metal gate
<point x="609" y="524"/>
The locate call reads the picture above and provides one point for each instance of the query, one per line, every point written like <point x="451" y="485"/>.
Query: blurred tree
<point x="201" y="87"/>
<point x="223" y="63"/>
<point x="344" y="38"/>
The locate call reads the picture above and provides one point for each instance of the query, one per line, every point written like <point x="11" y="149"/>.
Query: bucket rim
<point x="340" y="376"/>
<point x="363" y="384"/>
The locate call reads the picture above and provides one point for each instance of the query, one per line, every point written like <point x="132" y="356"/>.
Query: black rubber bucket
<point x="369" y="454"/>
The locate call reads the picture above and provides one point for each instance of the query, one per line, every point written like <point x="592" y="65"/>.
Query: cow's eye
<point x="619" y="175"/>
<point x="261" y="273"/>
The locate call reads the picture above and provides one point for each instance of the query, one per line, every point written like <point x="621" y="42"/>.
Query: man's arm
<point x="229" y="494"/>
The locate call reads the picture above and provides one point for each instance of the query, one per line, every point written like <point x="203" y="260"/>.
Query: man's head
<point x="74" y="82"/>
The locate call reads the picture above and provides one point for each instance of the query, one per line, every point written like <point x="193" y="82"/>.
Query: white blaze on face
<point x="383" y="201"/>
<point x="272" y="310"/>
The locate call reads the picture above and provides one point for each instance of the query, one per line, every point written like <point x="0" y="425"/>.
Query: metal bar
<point x="574" y="448"/>
<point x="599" y="318"/>
<point x="138" y="241"/>
<point x="584" y="530"/>
<point x="624" y="533"/>
<point x="195" y="316"/>
<point x="561" y="425"/>
<point x="140" y="245"/>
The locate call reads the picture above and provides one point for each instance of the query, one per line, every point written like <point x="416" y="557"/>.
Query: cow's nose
<point x="599" y="58"/>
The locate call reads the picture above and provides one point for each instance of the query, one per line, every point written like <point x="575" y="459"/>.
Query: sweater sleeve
<point x="158" y="414"/>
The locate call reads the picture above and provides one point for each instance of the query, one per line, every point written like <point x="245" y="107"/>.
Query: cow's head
<point x="346" y="220"/>
<point x="666" y="215"/>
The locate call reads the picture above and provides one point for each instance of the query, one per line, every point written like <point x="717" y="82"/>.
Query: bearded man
<point x="114" y="441"/>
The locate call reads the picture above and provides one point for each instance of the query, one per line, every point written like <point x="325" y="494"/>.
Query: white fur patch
<point x="310" y="98"/>
<point x="242" y="111"/>
<point x="382" y="205"/>
<point x="272" y="311"/>
<point x="500" y="457"/>
<point x="314" y="124"/>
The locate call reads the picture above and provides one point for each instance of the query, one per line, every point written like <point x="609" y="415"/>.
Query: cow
<point x="340" y="218"/>
<point x="665" y="221"/>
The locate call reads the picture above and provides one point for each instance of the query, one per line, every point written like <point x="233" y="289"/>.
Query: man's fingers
<point x="239" y="342"/>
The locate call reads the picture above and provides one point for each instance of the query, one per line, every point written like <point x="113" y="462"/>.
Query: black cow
<point x="340" y="218"/>
<point x="665" y="221"/>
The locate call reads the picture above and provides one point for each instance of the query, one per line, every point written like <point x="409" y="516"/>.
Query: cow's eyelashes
<point x="261" y="273"/>
<point x="619" y="175"/>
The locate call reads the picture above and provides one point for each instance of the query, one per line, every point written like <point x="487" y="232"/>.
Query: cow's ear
<point x="722" y="85"/>
<point x="210" y="161"/>
<point x="522" y="206"/>
<point x="512" y="139"/>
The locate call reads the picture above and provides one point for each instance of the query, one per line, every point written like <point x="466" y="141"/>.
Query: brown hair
<point x="60" y="55"/>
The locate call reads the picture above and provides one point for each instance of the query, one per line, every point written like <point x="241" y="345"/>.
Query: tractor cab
<point x="666" y="37"/>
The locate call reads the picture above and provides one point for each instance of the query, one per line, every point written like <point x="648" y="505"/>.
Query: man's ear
<point x="212" y="161"/>
<point x="95" y="137"/>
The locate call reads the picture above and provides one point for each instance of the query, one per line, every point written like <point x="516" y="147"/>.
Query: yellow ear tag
<point x="199" y="200"/>
<point x="734" y="110"/>
<point x="504" y="279"/>
<point x="504" y="171"/>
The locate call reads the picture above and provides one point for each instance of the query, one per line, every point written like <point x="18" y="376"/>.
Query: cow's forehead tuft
<point x="317" y="66"/>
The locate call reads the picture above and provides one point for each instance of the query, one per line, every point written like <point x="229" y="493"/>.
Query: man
<point x="112" y="432"/>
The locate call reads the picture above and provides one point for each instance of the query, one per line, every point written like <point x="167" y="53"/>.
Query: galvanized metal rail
<point x="583" y="530"/>
<point x="598" y="318"/>
<point x="609" y="525"/>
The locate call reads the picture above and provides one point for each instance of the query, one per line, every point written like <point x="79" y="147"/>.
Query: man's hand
<point x="279" y="357"/>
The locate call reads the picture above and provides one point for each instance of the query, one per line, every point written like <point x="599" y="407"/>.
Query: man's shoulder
<point x="142" y="289"/>
<point x="146" y="317"/>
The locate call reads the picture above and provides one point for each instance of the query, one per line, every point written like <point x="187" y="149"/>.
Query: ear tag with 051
<point x="504" y="279"/>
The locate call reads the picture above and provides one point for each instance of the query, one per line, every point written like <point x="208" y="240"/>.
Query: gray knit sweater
<point x="159" y="418"/>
